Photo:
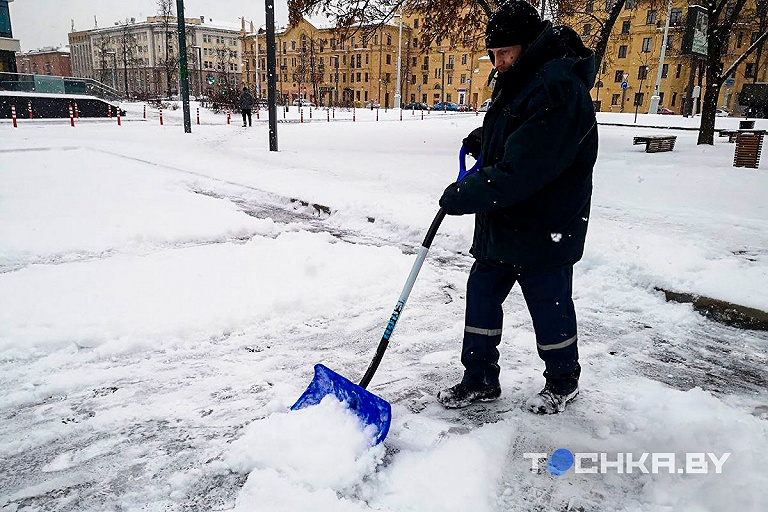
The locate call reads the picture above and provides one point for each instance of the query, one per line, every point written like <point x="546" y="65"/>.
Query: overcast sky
<point x="39" y="23"/>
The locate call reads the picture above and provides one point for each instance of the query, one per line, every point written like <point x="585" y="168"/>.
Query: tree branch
<point x="743" y="56"/>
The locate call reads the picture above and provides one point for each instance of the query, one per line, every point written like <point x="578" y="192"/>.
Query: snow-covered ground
<point x="164" y="297"/>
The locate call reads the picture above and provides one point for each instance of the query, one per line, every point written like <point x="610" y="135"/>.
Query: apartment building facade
<point x="8" y="45"/>
<point x="137" y="58"/>
<point x="54" y="61"/>
<point x="627" y="77"/>
<point x="330" y="67"/>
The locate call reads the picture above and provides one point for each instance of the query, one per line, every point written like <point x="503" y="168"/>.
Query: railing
<point x="22" y="82"/>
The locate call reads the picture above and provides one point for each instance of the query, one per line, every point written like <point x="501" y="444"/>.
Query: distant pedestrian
<point x="246" y="103"/>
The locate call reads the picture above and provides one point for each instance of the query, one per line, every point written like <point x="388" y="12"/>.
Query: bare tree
<point x="127" y="44"/>
<point x="169" y="62"/>
<point x="722" y="15"/>
<point x="104" y="46"/>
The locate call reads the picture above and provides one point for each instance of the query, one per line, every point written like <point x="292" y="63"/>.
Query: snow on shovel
<point x="371" y="409"/>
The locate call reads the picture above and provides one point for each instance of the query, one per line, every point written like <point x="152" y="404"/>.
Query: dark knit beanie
<point x="515" y="22"/>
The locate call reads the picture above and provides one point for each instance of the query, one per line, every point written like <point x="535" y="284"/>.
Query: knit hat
<point x="515" y="22"/>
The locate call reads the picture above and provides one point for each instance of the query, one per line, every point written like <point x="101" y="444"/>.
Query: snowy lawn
<point x="164" y="297"/>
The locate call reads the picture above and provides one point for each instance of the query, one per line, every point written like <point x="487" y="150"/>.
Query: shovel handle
<point x="423" y="250"/>
<point x="422" y="254"/>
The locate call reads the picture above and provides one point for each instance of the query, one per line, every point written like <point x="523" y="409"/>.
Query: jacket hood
<point x="554" y="42"/>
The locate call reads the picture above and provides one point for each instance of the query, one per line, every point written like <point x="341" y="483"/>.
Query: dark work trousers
<point x="246" y="113"/>
<point x="547" y="293"/>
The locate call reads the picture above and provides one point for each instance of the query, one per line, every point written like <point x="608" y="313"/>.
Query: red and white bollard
<point x="198" y="115"/>
<point x="353" y="114"/>
<point x="161" y="115"/>
<point x="110" y="111"/>
<point x="302" y="115"/>
<point x="477" y="112"/>
<point x="334" y="112"/>
<point x="29" y="109"/>
<point x="328" y="115"/>
<point x="13" y="116"/>
<point x="229" y="116"/>
<point x="377" y="114"/>
<point x="422" y="115"/>
<point x="77" y="112"/>
<point x="71" y="116"/>
<point x="119" y="123"/>
<point x="257" y="113"/>
<point x="310" y="112"/>
<point x="401" y="114"/>
<point x="145" y="111"/>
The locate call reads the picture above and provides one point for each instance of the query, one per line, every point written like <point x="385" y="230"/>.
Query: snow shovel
<point x="372" y="409"/>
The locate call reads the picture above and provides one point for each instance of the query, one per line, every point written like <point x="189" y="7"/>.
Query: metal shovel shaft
<point x="420" y="257"/>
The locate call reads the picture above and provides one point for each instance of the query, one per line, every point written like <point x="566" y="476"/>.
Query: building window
<point x="739" y="39"/>
<point x="389" y="59"/>
<point x="647" y="41"/>
<point x="416" y="23"/>
<point x="674" y="99"/>
<point x="678" y="70"/>
<point x="676" y="17"/>
<point x="642" y="72"/>
<point x="650" y="17"/>
<point x="590" y="6"/>
<point x="450" y="79"/>
<point x="625" y="27"/>
<point x="630" y="4"/>
<point x="664" y="70"/>
<point x="587" y="29"/>
<point x="623" y="51"/>
<point x="464" y="59"/>
<point x="639" y="98"/>
<point x="424" y="79"/>
<point x="749" y="70"/>
<point x="615" y="99"/>
<point x="619" y="76"/>
<point x="670" y="41"/>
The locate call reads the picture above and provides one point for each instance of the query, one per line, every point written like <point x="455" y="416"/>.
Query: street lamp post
<point x="199" y="69"/>
<point x="398" y="98"/>
<point x="442" y="76"/>
<point x="656" y="98"/>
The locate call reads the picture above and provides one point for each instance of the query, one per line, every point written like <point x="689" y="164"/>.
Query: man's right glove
<point x="473" y="143"/>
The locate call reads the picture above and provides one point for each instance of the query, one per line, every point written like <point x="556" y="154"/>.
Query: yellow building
<point x="329" y="67"/>
<point x="633" y="57"/>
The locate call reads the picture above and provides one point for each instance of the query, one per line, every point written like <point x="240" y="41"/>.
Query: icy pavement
<point x="164" y="297"/>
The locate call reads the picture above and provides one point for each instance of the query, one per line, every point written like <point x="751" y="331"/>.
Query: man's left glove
<point x="449" y="200"/>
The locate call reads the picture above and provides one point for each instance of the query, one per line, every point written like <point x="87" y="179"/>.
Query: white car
<point x="301" y="102"/>
<point x="721" y="113"/>
<point x="485" y="105"/>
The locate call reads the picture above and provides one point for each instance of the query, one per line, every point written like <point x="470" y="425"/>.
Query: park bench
<point x="656" y="143"/>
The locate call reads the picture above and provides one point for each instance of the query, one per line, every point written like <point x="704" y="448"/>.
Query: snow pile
<point x="301" y="460"/>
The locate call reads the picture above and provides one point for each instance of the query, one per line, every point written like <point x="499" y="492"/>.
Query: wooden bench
<point x="656" y="143"/>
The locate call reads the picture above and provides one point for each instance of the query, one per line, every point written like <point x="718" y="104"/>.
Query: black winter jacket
<point x="539" y="146"/>
<point x="246" y="100"/>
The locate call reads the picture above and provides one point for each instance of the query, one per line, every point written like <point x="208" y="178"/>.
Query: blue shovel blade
<point x="371" y="409"/>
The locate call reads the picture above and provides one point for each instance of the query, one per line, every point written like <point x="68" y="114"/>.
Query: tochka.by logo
<point x="690" y="463"/>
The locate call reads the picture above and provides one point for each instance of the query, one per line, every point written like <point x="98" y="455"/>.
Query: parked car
<point x="302" y="102"/>
<point x="447" y="105"/>
<point x="416" y="105"/>
<point x="464" y="108"/>
<point x="484" y="106"/>
<point x="722" y="113"/>
<point x="665" y="111"/>
<point x="371" y="104"/>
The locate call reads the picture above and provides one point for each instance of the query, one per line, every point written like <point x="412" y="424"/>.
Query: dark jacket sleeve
<point x="535" y="154"/>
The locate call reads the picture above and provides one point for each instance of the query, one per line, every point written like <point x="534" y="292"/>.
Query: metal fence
<point x="45" y="84"/>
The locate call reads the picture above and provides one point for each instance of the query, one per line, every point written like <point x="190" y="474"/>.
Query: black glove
<point x="473" y="143"/>
<point x="449" y="200"/>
